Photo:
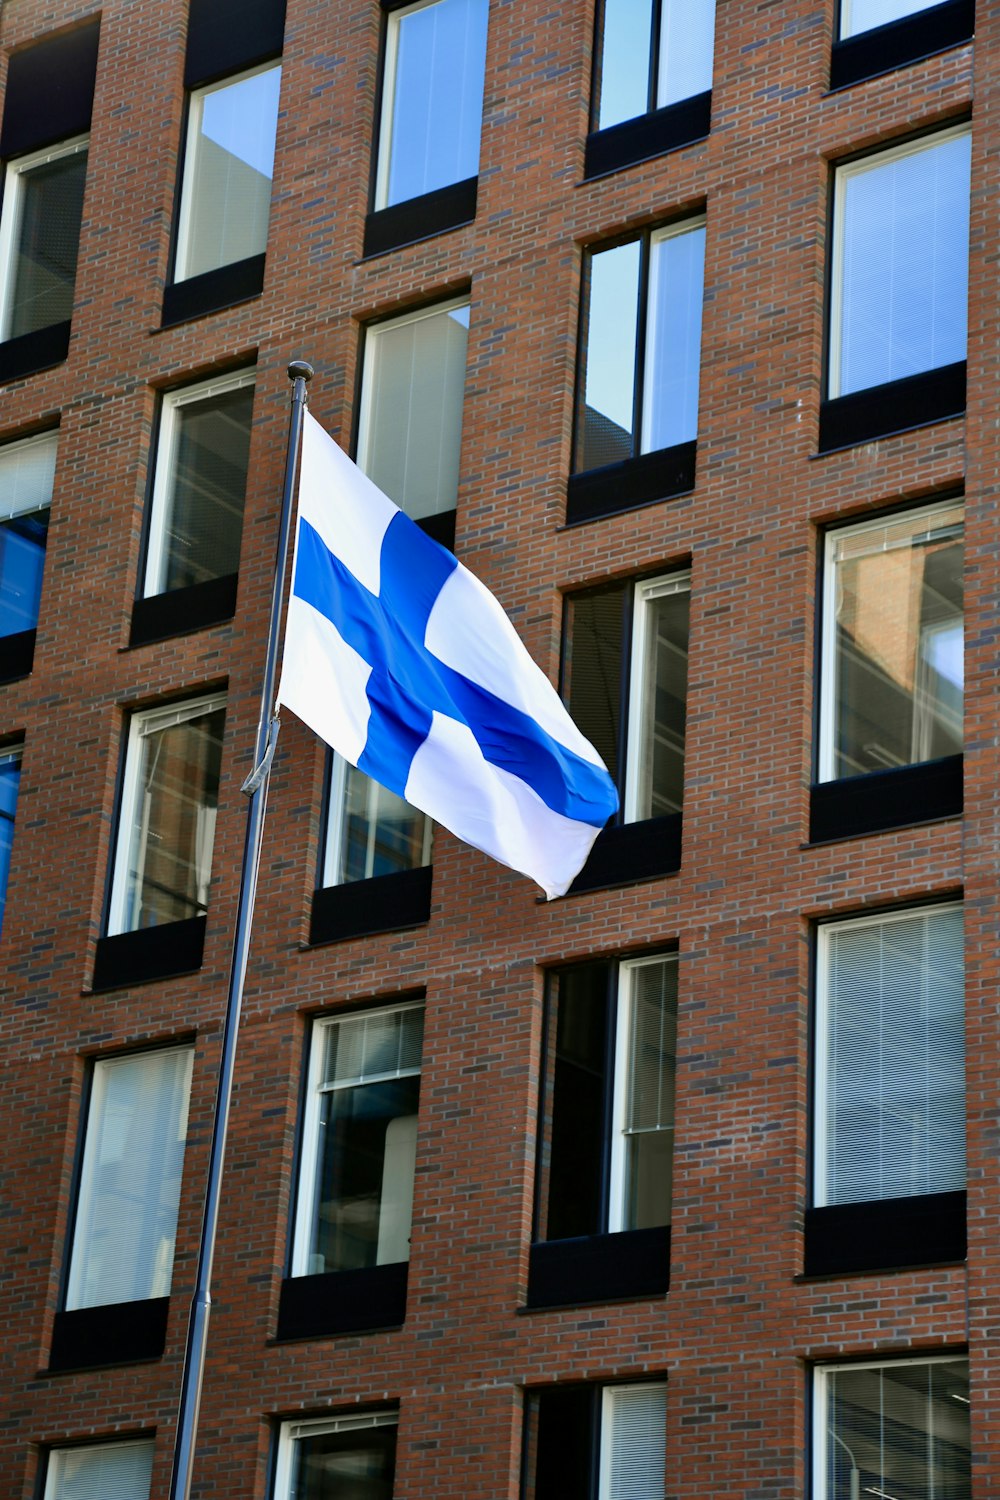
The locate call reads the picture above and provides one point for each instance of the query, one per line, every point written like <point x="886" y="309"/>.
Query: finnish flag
<point x="406" y="665"/>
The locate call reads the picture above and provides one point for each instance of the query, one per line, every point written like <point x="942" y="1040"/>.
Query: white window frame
<point x="166" y="457"/>
<point x="645" y="592"/>
<point x="315" y="1088"/>
<point x="821" y="1373"/>
<point x="54" y="1465"/>
<point x="842" y="174"/>
<point x="196" y="105"/>
<point x="650" y="294"/>
<point x="292" y="1432"/>
<point x="609" y="1396"/>
<point x="144" y="722"/>
<point x="820" y="1103"/>
<point x="13" y="208"/>
<point x="336" y="820"/>
<point x="826" y="760"/>
<point x="624" y="1011"/>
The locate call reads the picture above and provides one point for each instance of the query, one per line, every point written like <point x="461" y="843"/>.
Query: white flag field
<point x="408" y="667"/>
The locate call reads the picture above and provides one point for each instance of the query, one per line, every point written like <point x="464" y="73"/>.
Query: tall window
<point x="26" y="474"/>
<point x="899" y="284"/>
<point x="432" y="98"/>
<point x="200" y="484"/>
<point x="625" y="683"/>
<point x="410" y="421"/>
<point x="163" y="862"/>
<point x="640" y="345"/>
<point x="890" y="1057"/>
<point x="651" y="53"/>
<point x="103" y="1471"/>
<point x="897" y="1429"/>
<point x="352" y="1457"/>
<point x="862" y="15"/>
<point x="130" y="1179"/>
<point x="10" y="781"/>
<point x="591" y="1442"/>
<point x="40" y="237"/>
<point x="607" y="1128"/>
<point x="892" y="672"/>
<point x="228" y="166"/>
<point x="359" y="1142"/>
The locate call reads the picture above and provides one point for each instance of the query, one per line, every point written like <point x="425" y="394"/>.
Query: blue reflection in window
<point x="22" y="559"/>
<point x="10" y="777"/>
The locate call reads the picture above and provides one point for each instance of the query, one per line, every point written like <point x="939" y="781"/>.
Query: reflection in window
<point x="228" y="166"/>
<point x="432" y="98"/>
<point x="371" y="830"/>
<point x="10" y="781"/>
<point x="40" y="238"/>
<point x="893" y="643"/>
<point x="352" y="1457"/>
<point x="27" y="469"/>
<point x="163" y="865"/>
<point x="651" y="53"/>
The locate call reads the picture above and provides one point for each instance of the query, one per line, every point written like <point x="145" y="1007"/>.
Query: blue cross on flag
<point x="406" y="665"/>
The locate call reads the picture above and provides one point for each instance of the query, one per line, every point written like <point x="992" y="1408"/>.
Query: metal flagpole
<point x="255" y="787"/>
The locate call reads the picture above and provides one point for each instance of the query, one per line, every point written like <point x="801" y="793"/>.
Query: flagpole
<point x="255" y="787"/>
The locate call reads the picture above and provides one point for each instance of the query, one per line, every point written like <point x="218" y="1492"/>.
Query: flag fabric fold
<point x="406" y="665"/>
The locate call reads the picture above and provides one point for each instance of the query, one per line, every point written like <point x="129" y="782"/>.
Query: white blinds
<point x="890" y="1113"/>
<point x="633" y="1442"/>
<point x="687" y="45"/>
<point x="27" y="469"/>
<point x="374" y="1046"/>
<point x="123" y="1244"/>
<point x="107" y="1471"/>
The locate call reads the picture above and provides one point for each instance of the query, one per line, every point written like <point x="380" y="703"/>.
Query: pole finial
<point x="300" y="369"/>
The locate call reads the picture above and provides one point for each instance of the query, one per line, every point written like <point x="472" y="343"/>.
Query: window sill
<point x="420" y="218"/>
<point x="639" y="140"/>
<point x="30" y="353"/>
<point x="599" y="1268"/>
<point x="230" y="36"/>
<point x="121" y="1333"/>
<point x="386" y="903"/>
<point x="898" y="406"/>
<point x="883" y="49"/>
<point x="881" y="800"/>
<point x="214" y="291"/>
<point x="150" y="953"/>
<point x="183" y="611"/>
<point x="889" y="1235"/>
<point x="629" y="852"/>
<point x="633" y="482"/>
<point x="343" y="1302"/>
<point x="17" y="655"/>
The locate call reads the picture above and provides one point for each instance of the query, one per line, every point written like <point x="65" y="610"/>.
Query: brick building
<point x="681" y="326"/>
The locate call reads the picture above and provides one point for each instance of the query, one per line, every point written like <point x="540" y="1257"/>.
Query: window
<point x="26" y="474"/>
<point x="228" y="166"/>
<point x="371" y="831"/>
<point x="890" y="1060"/>
<point x="40" y="237"/>
<point x="196" y="513"/>
<point x="359" y="1142"/>
<point x="898" y="286"/>
<point x="597" y="1443"/>
<point x="432" y="98"/>
<point x="10" y="780"/>
<point x="606" y="1135"/>
<point x="130" y="1179"/>
<point x="862" y="15"/>
<point x="877" y="36"/>
<point x="639" y="365"/>
<point x="104" y="1471"/>
<point x="163" y="863"/>
<point x="340" y="1458"/>
<point x="651" y="55"/>
<point x="897" y="1429"/>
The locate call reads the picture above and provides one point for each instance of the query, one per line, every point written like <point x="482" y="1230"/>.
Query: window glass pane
<point x="227" y="178"/>
<point x="198" y="521"/>
<point x="10" y="780"/>
<point x="605" y="422"/>
<point x="411" y="419"/>
<point x="433" y="103"/>
<point x="561" y="1433"/>
<point x="891" y="1064"/>
<point x="22" y="560"/>
<point x="366" y="1141"/>
<point x="687" y="38"/>
<point x="673" y="339"/>
<point x="372" y="830"/>
<point x="862" y="15"/>
<point x="573" y="1107"/>
<point x="901" y="264"/>
<point x="350" y="1465"/>
<point x="634" y="1443"/>
<point x="48" y="200"/>
<point x="658" y="706"/>
<point x="174" y="791"/>
<point x="649" y="995"/>
<point x="896" y="1429"/>
<point x="130" y="1181"/>
<point x="895" y="621"/>
<point x="593" y="670"/>
<point x="107" y="1471"/>
<point x="623" y="76"/>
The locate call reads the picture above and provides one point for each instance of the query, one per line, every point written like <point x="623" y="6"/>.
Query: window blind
<point x="27" y="470"/>
<point x="634" y="1442"/>
<point x="107" y="1471"/>
<point x="371" y="1047"/>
